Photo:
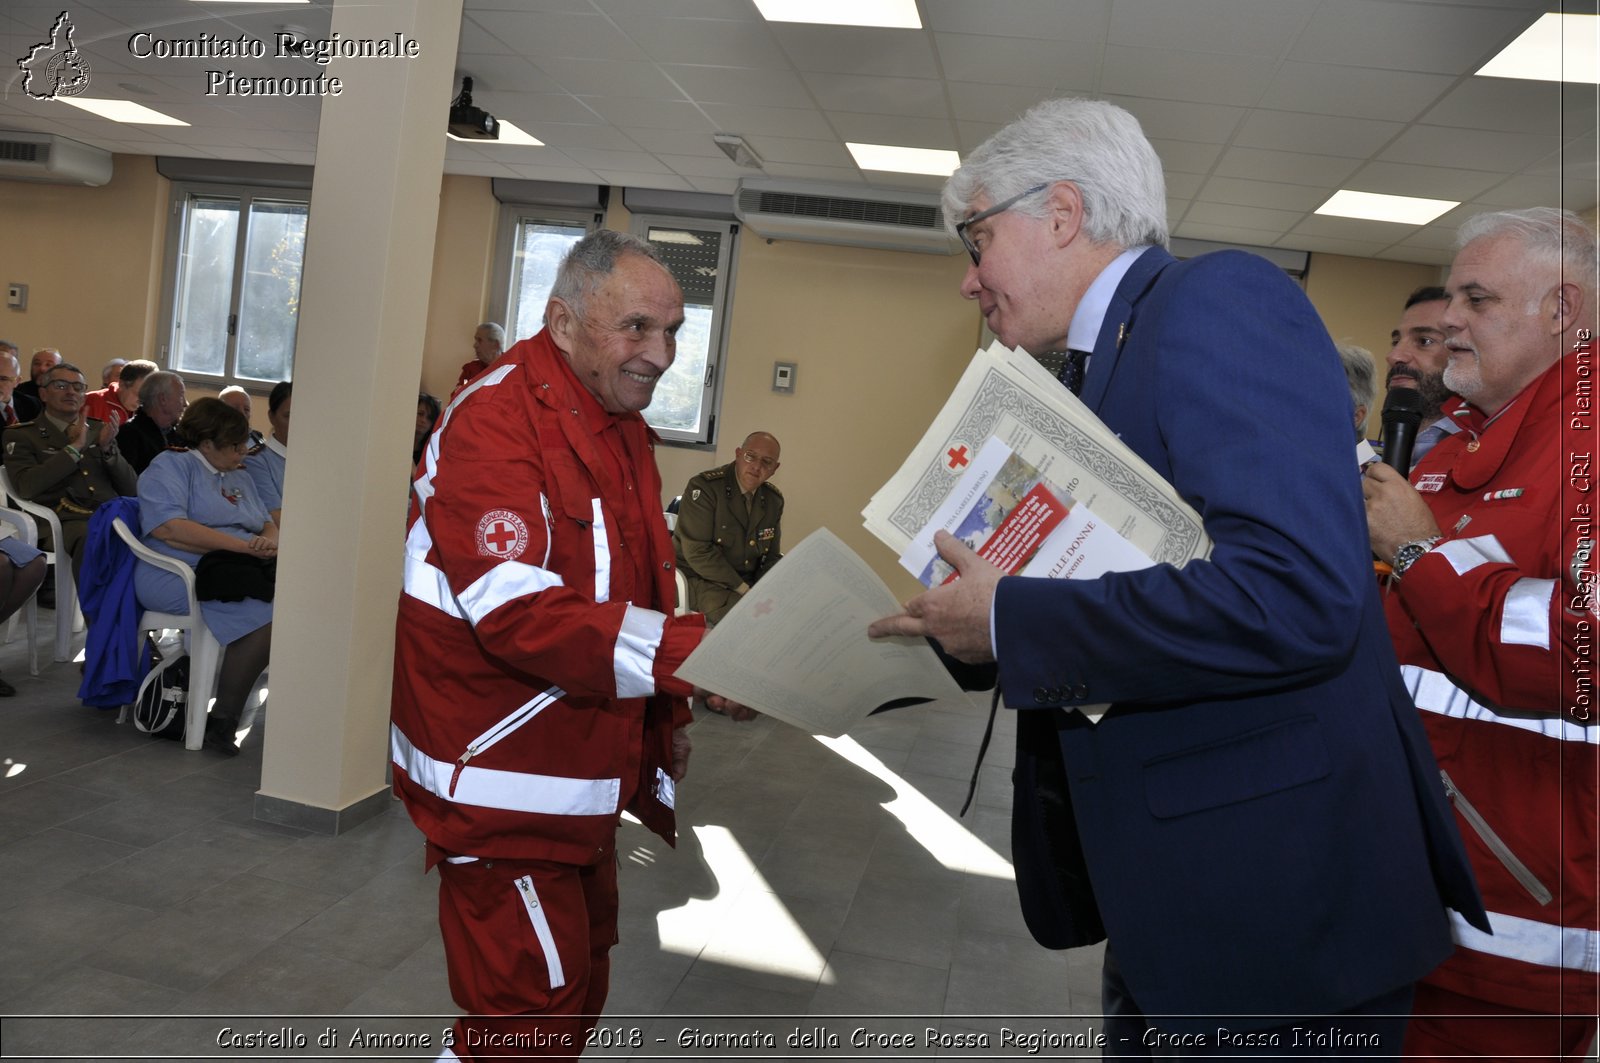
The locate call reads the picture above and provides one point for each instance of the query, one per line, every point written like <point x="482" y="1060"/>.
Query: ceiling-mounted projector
<point x="469" y="122"/>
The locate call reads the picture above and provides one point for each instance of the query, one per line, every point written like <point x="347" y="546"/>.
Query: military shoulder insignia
<point x="714" y="474"/>
<point x="694" y="495"/>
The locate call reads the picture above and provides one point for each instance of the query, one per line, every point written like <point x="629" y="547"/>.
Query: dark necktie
<point x="1071" y="372"/>
<point x="11" y="415"/>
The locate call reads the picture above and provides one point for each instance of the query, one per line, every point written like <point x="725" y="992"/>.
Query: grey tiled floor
<point x="808" y="881"/>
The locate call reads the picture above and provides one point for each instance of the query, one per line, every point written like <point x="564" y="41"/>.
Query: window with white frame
<point x="234" y="262"/>
<point x="534" y="240"/>
<point x="699" y="253"/>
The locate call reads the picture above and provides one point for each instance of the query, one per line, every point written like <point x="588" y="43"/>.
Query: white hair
<point x="1553" y="237"/>
<point x="1096" y="145"/>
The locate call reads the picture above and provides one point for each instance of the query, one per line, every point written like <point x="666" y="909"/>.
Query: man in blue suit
<point x="1257" y="827"/>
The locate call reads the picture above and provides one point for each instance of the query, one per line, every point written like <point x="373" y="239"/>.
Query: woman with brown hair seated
<point x="199" y="502"/>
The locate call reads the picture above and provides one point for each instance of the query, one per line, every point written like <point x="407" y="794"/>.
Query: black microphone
<point x="1402" y="416"/>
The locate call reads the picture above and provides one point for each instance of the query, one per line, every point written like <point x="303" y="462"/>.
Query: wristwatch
<point x="1408" y="553"/>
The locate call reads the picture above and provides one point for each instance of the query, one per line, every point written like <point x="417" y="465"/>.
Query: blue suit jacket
<point x="1258" y="826"/>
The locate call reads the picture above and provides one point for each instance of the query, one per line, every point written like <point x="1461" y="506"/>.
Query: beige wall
<point x="91" y="258"/>
<point x="1360" y="300"/>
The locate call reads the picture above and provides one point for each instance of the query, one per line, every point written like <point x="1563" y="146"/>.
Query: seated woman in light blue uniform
<point x="266" y="463"/>
<point x="193" y="502"/>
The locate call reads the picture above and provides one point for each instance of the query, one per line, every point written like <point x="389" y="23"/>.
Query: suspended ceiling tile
<point x="1469" y="149"/>
<point x="1183" y="119"/>
<point x="1059" y="20"/>
<point x="1287" y="166"/>
<point x="910" y="97"/>
<point x="692" y="166"/>
<point x="597" y="77"/>
<point x="1184" y="185"/>
<point x="1182" y="156"/>
<point x="857" y="50"/>
<point x="1245" y="192"/>
<point x="803" y="123"/>
<point x="811" y="152"/>
<point x="760" y="88"/>
<point x="625" y="179"/>
<point x="557" y="33"/>
<point x="1226" y="234"/>
<point x="708" y="42"/>
<point x="1421" y="255"/>
<point x="1315" y="134"/>
<point x="1258" y="218"/>
<point x="731" y="9"/>
<point x="1041" y="64"/>
<point x="1402" y="36"/>
<point x="1356" y="91"/>
<point x="674" y="141"/>
<point x="502" y="73"/>
<point x="887" y="129"/>
<point x="1516" y="106"/>
<point x="1331" y="245"/>
<point x="665" y="115"/>
<point x="1236" y="27"/>
<point x="1191" y="76"/>
<point x="526" y="109"/>
<point x="1427" y="182"/>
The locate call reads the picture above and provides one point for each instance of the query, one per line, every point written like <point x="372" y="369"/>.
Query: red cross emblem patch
<point x="502" y="534"/>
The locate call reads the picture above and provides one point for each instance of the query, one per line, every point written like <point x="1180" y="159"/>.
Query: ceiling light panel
<point x="893" y="14"/>
<point x="936" y="162"/>
<point x="1555" y="48"/>
<point x="121" y="111"/>
<point x="1406" y="210"/>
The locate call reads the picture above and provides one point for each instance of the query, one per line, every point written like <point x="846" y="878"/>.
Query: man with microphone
<point x="1417" y="357"/>
<point x="1492" y="612"/>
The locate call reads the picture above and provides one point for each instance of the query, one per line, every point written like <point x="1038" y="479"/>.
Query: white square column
<point x="358" y="358"/>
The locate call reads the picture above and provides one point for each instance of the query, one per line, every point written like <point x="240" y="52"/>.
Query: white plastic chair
<point x="28" y="532"/>
<point x="69" y="617"/>
<point x="205" y="653"/>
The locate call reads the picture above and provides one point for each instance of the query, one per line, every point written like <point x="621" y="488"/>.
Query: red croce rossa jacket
<point x="533" y="700"/>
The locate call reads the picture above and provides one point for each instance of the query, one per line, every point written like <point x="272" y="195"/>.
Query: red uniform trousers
<point x="527" y="945"/>
<point x="1447" y="1026"/>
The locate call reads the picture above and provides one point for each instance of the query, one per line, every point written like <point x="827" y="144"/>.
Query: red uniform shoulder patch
<point x="502" y="534"/>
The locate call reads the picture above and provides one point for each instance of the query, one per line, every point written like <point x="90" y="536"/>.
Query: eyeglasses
<point x="68" y="385"/>
<point x="755" y="459"/>
<point x="998" y="208"/>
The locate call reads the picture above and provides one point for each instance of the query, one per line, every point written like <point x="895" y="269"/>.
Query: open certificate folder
<point x="796" y="646"/>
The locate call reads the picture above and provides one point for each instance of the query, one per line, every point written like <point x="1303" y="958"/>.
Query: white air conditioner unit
<point x="51" y="159"/>
<point x="852" y="216"/>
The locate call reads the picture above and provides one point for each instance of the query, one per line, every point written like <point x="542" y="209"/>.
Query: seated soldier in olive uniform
<point x="727" y="535"/>
<point x="56" y="461"/>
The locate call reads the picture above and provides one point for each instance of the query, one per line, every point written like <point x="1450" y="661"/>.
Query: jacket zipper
<point x="501" y="730"/>
<point x="1499" y="848"/>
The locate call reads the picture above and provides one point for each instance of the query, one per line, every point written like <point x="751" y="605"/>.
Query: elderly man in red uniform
<point x="1492" y="611"/>
<point x="534" y="698"/>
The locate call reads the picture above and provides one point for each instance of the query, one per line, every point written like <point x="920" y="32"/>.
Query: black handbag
<point x="228" y="576"/>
